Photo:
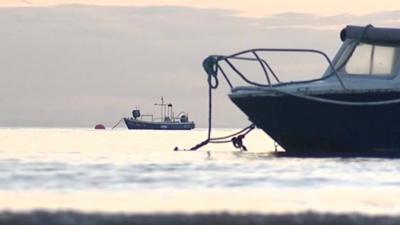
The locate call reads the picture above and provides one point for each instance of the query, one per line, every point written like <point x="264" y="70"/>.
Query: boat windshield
<point x="369" y="60"/>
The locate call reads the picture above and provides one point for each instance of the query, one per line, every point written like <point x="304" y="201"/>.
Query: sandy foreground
<point x="72" y="218"/>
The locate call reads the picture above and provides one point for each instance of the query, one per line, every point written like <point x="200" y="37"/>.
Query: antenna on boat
<point x="163" y="109"/>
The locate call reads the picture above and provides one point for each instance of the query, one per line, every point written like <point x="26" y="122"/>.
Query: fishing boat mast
<point x="162" y="108"/>
<point x="166" y="110"/>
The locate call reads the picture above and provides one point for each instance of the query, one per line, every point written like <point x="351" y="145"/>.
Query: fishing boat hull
<point x="135" y="124"/>
<point x="310" y="127"/>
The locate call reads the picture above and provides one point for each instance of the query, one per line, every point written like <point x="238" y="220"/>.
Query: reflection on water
<point x="137" y="171"/>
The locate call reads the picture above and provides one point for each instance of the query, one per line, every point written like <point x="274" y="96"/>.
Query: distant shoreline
<point x="73" y="217"/>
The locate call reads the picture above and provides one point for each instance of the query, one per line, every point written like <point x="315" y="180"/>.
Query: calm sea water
<point x="137" y="171"/>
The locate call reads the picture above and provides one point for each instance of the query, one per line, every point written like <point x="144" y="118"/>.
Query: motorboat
<point x="353" y="107"/>
<point x="166" y="121"/>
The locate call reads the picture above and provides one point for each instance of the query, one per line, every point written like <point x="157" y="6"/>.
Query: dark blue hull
<point x="311" y="127"/>
<point x="133" y="124"/>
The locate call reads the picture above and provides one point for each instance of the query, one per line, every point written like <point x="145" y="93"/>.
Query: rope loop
<point x="213" y="81"/>
<point x="210" y="65"/>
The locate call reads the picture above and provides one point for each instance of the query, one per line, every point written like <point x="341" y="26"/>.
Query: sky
<point x="64" y="64"/>
<point x="254" y="8"/>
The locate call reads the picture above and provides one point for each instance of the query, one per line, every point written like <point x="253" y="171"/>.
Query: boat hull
<point x="306" y="126"/>
<point x="134" y="124"/>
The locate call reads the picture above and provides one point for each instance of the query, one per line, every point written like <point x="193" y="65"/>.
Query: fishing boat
<point x="354" y="107"/>
<point x="167" y="120"/>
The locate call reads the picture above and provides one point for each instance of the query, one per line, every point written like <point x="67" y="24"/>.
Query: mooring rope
<point x="122" y="119"/>
<point x="235" y="138"/>
<point x="210" y="65"/>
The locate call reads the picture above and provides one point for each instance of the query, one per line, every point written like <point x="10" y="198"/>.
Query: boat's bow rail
<point x="212" y="66"/>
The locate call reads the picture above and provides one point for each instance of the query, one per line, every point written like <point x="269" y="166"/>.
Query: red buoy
<point x="100" y="127"/>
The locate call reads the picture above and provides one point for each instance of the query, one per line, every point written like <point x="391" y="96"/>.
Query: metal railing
<point x="211" y="66"/>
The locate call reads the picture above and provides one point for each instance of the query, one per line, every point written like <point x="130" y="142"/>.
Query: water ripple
<point x="288" y="173"/>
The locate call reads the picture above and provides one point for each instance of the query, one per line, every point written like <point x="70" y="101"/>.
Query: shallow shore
<point x="73" y="218"/>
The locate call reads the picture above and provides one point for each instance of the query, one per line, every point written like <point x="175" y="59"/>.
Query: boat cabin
<point x="369" y="58"/>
